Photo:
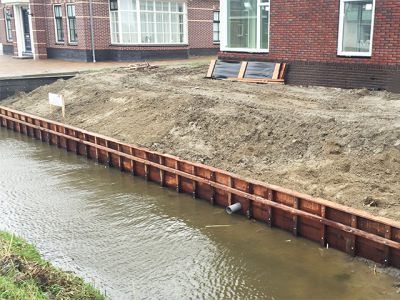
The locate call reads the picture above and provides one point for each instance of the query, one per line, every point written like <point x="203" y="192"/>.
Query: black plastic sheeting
<point x="226" y="69"/>
<point x="259" y="69"/>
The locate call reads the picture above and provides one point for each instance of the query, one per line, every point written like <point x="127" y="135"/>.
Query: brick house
<point x="342" y="43"/>
<point x="117" y="30"/>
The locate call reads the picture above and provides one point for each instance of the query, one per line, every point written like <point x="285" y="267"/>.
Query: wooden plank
<point x="256" y="80"/>
<point x="211" y="68"/>
<point x="275" y="75"/>
<point x="146" y="167"/>
<point x="242" y="70"/>
<point x="109" y="160"/>
<point x="282" y="71"/>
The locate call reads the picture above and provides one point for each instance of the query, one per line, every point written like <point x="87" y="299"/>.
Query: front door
<point x="26" y="30"/>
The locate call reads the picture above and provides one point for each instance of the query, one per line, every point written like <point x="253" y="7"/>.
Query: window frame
<point x="8" y="26"/>
<point x="68" y="26"/>
<point x="219" y="26"/>
<point x="224" y="28"/>
<point x="139" y="26"/>
<point x="58" y="40"/>
<point x="340" y="52"/>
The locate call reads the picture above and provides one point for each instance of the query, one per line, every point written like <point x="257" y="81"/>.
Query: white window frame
<point x="224" y="29"/>
<point x="58" y="41"/>
<point x="219" y="26"/>
<point x="67" y="19"/>
<point x="9" y="38"/>
<point x="138" y="11"/>
<point x="340" y="52"/>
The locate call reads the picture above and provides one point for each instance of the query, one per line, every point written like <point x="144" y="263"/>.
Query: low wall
<point x="341" y="75"/>
<point x="11" y="85"/>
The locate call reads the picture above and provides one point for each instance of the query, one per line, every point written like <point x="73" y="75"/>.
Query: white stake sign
<point x="57" y="100"/>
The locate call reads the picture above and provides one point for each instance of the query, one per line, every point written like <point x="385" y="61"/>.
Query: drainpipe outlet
<point x="233" y="208"/>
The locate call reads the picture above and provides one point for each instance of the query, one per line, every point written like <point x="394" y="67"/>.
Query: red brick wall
<point x="200" y="23"/>
<point x="308" y="31"/>
<point x="199" y="27"/>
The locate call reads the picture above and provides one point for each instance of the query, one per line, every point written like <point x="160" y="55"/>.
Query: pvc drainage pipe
<point x="233" y="208"/>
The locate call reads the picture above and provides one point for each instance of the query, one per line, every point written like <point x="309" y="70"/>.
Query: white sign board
<point x="57" y="100"/>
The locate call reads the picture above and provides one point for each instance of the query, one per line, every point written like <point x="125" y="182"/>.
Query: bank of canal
<point x="135" y="240"/>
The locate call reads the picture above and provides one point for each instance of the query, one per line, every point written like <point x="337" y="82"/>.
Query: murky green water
<point x="135" y="240"/>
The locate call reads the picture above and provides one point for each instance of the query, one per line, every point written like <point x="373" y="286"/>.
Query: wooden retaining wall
<point x="349" y="230"/>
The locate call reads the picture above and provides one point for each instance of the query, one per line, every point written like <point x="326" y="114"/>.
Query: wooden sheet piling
<point x="346" y="229"/>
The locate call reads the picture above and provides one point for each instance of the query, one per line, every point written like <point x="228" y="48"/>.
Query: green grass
<point x="25" y="275"/>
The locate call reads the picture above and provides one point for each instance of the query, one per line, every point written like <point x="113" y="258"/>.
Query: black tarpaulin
<point x="226" y="69"/>
<point x="259" y="69"/>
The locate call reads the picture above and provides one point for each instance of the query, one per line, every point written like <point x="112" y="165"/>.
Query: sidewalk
<point x="18" y="67"/>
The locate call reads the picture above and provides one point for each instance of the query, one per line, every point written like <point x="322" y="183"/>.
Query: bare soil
<point x="342" y="145"/>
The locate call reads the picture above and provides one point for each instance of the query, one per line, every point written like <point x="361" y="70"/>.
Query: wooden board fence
<point x="346" y="229"/>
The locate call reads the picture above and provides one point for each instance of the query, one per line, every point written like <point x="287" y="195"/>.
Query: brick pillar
<point x="38" y="16"/>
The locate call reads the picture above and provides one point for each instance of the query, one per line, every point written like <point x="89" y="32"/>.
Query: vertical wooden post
<point x="57" y="137"/>
<point x="132" y="162"/>
<point x="109" y="160"/>
<point x="212" y="198"/>
<point x="49" y="135"/>
<point x="249" y="212"/>
<point x="146" y="167"/>
<point x="177" y="178"/>
<point x="96" y="150"/>
<point x="323" y="227"/>
<point x="387" y="254"/>
<point x="229" y="194"/>
<point x="77" y="144"/>
<point x="194" y="183"/>
<point x="351" y="241"/>
<point x="270" y="196"/>
<point x="40" y="131"/>
<point x="295" y="217"/>
<point x="120" y="159"/>
<point x="87" y="151"/>
<point x="66" y="140"/>
<point x="161" y="160"/>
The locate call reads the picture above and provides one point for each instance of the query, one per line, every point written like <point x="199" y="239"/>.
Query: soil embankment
<point x="342" y="145"/>
<point x="25" y="275"/>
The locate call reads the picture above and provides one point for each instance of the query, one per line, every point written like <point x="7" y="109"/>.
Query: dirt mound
<point x="342" y="145"/>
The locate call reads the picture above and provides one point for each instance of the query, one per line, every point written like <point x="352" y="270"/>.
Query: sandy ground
<point x="342" y="145"/>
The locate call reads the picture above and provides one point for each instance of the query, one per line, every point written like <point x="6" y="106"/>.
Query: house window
<point x="246" y="25"/>
<point x="58" y="24"/>
<point x="216" y="22"/>
<point x="147" y="22"/>
<point x="7" y="19"/>
<point x="71" y="22"/>
<point x="356" y="27"/>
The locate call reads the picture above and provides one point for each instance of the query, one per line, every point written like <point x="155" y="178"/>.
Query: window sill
<point x="72" y="44"/>
<point x="149" y="45"/>
<point x="60" y="43"/>
<point x="254" y="51"/>
<point x="354" y="55"/>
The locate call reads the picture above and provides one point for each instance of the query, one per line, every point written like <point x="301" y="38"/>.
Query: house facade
<point x="343" y="43"/>
<point x="108" y="29"/>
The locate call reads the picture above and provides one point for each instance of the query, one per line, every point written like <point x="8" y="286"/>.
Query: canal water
<point x="135" y="240"/>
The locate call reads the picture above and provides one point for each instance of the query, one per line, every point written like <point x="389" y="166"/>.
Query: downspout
<point x="92" y="30"/>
